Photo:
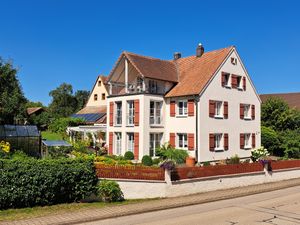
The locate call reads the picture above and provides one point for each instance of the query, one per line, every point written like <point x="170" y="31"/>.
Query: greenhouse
<point x="25" y="138"/>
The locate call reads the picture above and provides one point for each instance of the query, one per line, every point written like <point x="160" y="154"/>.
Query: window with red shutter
<point x="136" y="112"/>
<point x="212" y="107"/>
<point x="190" y="141"/>
<point x="226" y="142"/>
<point x="234" y="81"/>
<point x="136" y="145"/>
<point x="172" y="140"/>
<point x="111" y="113"/>
<point x="226" y="110"/>
<point x="253" y="112"/>
<point x="111" y="141"/>
<point x="242" y="111"/>
<point x="244" y="83"/>
<point x="172" y="108"/>
<point x="191" y="107"/>
<point x="242" y="141"/>
<point x="211" y="142"/>
<point x="223" y="79"/>
<point x="253" y="141"/>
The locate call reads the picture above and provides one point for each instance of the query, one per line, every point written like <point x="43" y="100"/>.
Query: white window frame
<point x="130" y="113"/>
<point x="227" y="81"/>
<point x="219" y="111"/>
<point x="182" y="111"/>
<point x="240" y="82"/>
<point x="130" y="142"/>
<point x="182" y="144"/>
<point x="118" y="143"/>
<point x="118" y="115"/>
<point x="247" y="141"/>
<point x="153" y="86"/>
<point x="155" y="116"/>
<point x="247" y="115"/>
<point x="154" y="142"/>
<point x="219" y="143"/>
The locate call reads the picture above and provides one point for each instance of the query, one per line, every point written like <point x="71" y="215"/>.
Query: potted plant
<point x="190" y="161"/>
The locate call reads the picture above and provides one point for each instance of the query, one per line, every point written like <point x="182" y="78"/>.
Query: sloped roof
<point x="92" y="109"/>
<point x="33" y="110"/>
<point x="195" y="72"/>
<point x="292" y="99"/>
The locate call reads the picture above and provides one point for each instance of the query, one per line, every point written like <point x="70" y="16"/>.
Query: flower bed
<point x="129" y="172"/>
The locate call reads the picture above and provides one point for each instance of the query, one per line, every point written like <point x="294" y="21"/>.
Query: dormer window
<point x="95" y="97"/>
<point x="152" y="86"/>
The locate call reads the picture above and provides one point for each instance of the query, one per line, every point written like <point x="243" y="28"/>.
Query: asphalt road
<point x="280" y="207"/>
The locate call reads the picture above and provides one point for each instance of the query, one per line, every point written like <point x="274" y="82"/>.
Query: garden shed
<point x="25" y="138"/>
<point x="49" y="145"/>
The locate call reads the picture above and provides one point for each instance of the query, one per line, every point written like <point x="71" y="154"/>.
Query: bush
<point x="110" y="191"/>
<point x="129" y="155"/>
<point x="166" y="151"/>
<point x="291" y="143"/>
<point x="147" y="160"/>
<point x="206" y="163"/>
<point x="32" y="182"/>
<point x="156" y="161"/>
<point x="233" y="160"/>
<point x="259" y="153"/>
<point x="270" y="140"/>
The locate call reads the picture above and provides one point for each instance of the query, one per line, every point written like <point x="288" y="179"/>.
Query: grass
<point x="38" y="211"/>
<point x="51" y="136"/>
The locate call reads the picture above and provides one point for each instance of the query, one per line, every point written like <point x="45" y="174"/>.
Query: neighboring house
<point x="94" y="112"/>
<point x="292" y="99"/>
<point x="205" y="103"/>
<point x="34" y="111"/>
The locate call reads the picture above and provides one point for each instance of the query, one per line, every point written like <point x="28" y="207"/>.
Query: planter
<point x="190" y="161"/>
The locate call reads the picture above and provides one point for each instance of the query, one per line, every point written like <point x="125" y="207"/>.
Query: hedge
<point x="32" y="182"/>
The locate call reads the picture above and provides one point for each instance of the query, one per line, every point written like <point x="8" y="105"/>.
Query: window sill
<point x="247" y="118"/>
<point x="247" y="147"/>
<point x="240" y="88"/>
<point x="219" y="149"/>
<point x="181" y="116"/>
<point x="118" y="125"/>
<point x="227" y="86"/>
<point x="219" y="117"/>
<point x="130" y="125"/>
<point x="156" y="126"/>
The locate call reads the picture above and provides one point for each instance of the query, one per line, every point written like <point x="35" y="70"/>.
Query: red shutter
<point x="234" y="81"/>
<point x="136" y="112"/>
<point x="191" y="107"/>
<point x="244" y="83"/>
<point x="253" y="112"/>
<point x="211" y="142"/>
<point x="223" y="79"/>
<point x="226" y="110"/>
<point x="172" y="108"/>
<point x="111" y="113"/>
<point x="136" y="145"/>
<point x="111" y="141"/>
<point x="212" y="109"/>
<point x="242" y="111"/>
<point x="172" y="139"/>
<point x="226" y="142"/>
<point x="253" y="141"/>
<point x="242" y="141"/>
<point x="191" y="141"/>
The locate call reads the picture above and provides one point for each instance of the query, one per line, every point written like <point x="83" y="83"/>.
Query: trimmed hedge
<point x="32" y="182"/>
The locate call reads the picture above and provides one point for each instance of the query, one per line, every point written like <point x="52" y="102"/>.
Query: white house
<point x="205" y="103"/>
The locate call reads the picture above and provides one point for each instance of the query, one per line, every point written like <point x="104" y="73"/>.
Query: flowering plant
<point x="167" y="165"/>
<point x="259" y="153"/>
<point x="5" y="146"/>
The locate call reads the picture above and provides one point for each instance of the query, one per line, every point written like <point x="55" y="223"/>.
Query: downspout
<point x="197" y="124"/>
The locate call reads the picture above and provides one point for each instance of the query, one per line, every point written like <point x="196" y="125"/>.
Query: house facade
<point x="205" y="104"/>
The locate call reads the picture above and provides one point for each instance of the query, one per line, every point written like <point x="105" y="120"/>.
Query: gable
<point x="99" y="89"/>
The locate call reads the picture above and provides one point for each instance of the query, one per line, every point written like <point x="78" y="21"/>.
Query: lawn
<point x="27" y="213"/>
<point x="51" y="136"/>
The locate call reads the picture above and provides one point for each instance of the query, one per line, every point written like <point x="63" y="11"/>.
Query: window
<point x="218" y="109"/>
<point x="130" y="142"/>
<point x="247" y="112"/>
<point x="118" y="113"/>
<point x="155" y="112"/>
<point x="247" y="141"/>
<point x="95" y="97"/>
<point x="182" y="108"/>
<point x="99" y="83"/>
<point x="182" y="141"/>
<point x="118" y="144"/>
<point x="155" y="142"/>
<point x="103" y="96"/>
<point x="239" y="82"/>
<point x="218" y="142"/>
<point x="233" y="61"/>
<point x="225" y="79"/>
<point x="152" y="86"/>
<point x="130" y="113"/>
<point x="139" y="84"/>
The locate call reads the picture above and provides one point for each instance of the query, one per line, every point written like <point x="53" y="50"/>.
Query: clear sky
<point x="55" y="41"/>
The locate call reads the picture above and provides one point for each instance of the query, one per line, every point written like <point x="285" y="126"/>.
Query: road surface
<point x="280" y="207"/>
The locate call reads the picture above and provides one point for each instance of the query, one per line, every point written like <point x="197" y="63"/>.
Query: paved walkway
<point x="154" y="205"/>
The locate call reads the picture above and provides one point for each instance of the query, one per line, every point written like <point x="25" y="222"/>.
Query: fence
<point x="285" y="164"/>
<point x="130" y="172"/>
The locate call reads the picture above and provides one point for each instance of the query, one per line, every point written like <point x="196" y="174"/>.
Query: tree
<point x="290" y="140"/>
<point x="270" y="140"/>
<point x="81" y="97"/>
<point x="63" y="102"/>
<point x="12" y="100"/>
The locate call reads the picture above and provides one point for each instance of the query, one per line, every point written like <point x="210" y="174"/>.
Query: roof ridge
<point x="147" y="57"/>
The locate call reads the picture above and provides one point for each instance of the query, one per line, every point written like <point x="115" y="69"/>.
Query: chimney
<point x="177" y="55"/>
<point x="199" y="50"/>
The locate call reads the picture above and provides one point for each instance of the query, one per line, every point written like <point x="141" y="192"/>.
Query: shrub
<point x="156" y="161"/>
<point x="233" y="160"/>
<point x="129" y="155"/>
<point x="259" y="153"/>
<point x="147" y="160"/>
<point x="206" y="163"/>
<point x="291" y="143"/>
<point x="270" y="140"/>
<point x="166" y="151"/>
<point x="110" y="191"/>
<point x="31" y="182"/>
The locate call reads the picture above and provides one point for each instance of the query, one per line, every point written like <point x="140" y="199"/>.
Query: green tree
<point x="81" y="97"/>
<point x="290" y="140"/>
<point x="12" y="100"/>
<point x="270" y="140"/>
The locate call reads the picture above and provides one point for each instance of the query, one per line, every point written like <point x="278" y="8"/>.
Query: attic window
<point x="233" y="61"/>
<point x="99" y="83"/>
<point x="103" y="96"/>
<point x="95" y="97"/>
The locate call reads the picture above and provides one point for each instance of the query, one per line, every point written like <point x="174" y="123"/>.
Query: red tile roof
<point x="33" y="110"/>
<point x="292" y="99"/>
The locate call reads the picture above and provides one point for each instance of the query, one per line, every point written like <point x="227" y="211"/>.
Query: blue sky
<point x="55" y="41"/>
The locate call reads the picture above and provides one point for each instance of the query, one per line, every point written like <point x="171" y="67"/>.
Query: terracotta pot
<point x="190" y="161"/>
